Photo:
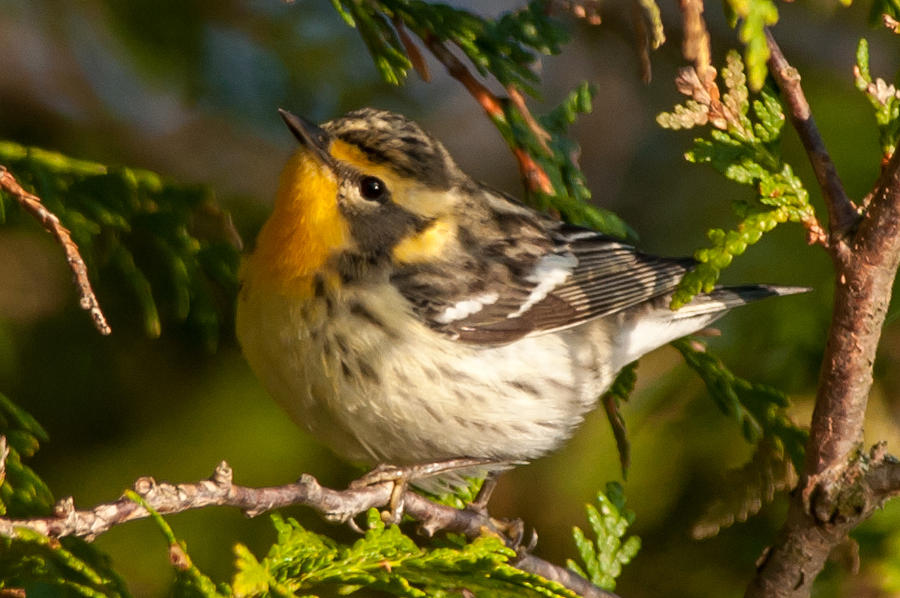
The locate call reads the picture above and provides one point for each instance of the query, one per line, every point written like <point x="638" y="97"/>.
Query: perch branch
<point x="333" y="505"/>
<point x="842" y="212"/>
<point x="831" y="501"/>
<point x="33" y="205"/>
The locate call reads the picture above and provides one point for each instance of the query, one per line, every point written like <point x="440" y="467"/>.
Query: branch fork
<point x="840" y="487"/>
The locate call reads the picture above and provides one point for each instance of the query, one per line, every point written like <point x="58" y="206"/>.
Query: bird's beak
<point x="310" y="135"/>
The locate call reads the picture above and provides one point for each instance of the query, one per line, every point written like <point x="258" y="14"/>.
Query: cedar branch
<point x="334" y="505"/>
<point x="34" y="206"/>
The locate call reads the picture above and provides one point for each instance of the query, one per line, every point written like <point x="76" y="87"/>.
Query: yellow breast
<point x="305" y="228"/>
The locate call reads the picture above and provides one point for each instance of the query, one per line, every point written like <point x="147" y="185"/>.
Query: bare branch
<point x="828" y="505"/>
<point x="535" y="177"/>
<point x="33" y="205"/>
<point x="335" y="505"/>
<point x="842" y="212"/>
<point x="412" y="51"/>
<point x="518" y="100"/>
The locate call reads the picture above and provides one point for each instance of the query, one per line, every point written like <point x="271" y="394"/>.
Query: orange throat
<point x="304" y="230"/>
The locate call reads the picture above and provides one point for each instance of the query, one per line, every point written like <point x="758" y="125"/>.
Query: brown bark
<point x="335" y="505"/>
<point x="840" y="486"/>
<point x="34" y="206"/>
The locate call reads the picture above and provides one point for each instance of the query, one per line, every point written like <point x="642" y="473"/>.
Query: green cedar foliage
<point x="67" y="568"/>
<point x="30" y="560"/>
<point x="22" y="492"/>
<point x="747" y="151"/>
<point x="506" y="49"/>
<point x="761" y="413"/>
<point x="384" y="559"/>
<point x="751" y="17"/>
<point x="743" y="491"/>
<point x="166" y="243"/>
<point x="758" y="409"/>
<point x="603" y="557"/>
<point x="612" y="400"/>
<point x="884" y="97"/>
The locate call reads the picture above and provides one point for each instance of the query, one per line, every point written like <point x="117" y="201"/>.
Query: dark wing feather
<point x="568" y="277"/>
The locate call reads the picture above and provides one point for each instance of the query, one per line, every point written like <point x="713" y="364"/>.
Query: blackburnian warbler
<point x="404" y="313"/>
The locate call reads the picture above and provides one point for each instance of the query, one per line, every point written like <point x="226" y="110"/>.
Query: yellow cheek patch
<point x="304" y="230"/>
<point x="428" y="244"/>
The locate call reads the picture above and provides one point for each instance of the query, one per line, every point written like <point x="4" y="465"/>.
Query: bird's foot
<point x="402" y="475"/>
<point x="479" y="505"/>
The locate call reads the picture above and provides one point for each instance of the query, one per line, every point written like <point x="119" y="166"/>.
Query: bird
<point x="406" y="314"/>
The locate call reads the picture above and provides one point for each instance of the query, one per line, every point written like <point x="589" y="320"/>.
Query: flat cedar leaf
<point x="384" y="46"/>
<point x="571" y="194"/>
<point x="69" y="567"/>
<point x="744" y="491"/>
<point x="604" y="557"/>
<point x="22" y="492"/>
<point x="506" y="47"/>
<point x="863" y="76"/>
<point x="345" y="14"/>
<point x="747" y="151"/>
<point x="884" y="98"/>
<point x="770" y="117"/>
<point x="458" y="496"/>
<point x="13" y="417"/>
<point x="250" y="578"/>
<point x="618" y="393"/>
<point x="753" y="16"/>
<point x="386" y="559"/>
<point x="758" y="409"/>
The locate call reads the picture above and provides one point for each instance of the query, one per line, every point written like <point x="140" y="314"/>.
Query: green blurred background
<point x="189" y="89"/>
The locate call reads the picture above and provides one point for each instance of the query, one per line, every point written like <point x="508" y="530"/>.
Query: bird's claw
<point x="400" y="477"/>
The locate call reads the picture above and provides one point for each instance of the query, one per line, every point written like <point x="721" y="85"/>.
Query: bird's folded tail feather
<point x="722" y="299"/>
<point x="652" y="324"/>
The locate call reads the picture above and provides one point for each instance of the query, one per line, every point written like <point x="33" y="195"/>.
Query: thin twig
<point x="518" y="100"/>
<point x="842" y="212"/>
<point x="535" y="177"/>
<point x="412" y="51"/>
<point x="334" y="505"/>
<point x="33" y="205"/>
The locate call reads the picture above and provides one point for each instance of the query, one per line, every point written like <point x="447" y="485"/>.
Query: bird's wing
<point x="574" y="276"/>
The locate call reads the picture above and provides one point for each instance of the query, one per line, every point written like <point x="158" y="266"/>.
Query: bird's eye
<point x="372" y="188"/>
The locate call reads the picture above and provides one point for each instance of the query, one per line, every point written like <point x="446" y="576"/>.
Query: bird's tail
<point x="652" y="324"/>
<point x="721" y="299"/>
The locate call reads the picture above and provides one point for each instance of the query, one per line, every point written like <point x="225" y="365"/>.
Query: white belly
<point x="400" y="393"/>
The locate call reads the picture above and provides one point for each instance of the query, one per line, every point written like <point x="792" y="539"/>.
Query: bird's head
<point x="370" y="184"/>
